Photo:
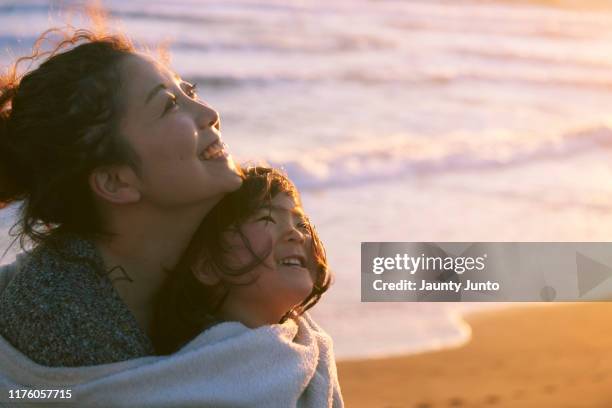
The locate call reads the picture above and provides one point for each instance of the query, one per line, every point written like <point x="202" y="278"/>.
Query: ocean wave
<point x="442" y="77"/>
<point x="168" y="16"/>
<point x="599" y="83"/>
<point x="533" y="58"/>
<point x="498" y="26"/>
<point x="13" y="43"/>
<point x="233" y="81"/>
<point x="330" y="45"/>
<point x="24" y="8"/>
<point x="379" y="160"/>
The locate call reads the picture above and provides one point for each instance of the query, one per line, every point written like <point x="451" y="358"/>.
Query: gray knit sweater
<point x="61" y="309"/>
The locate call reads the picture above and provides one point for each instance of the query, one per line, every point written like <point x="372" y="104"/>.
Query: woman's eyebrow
<point x="154" y="91"/>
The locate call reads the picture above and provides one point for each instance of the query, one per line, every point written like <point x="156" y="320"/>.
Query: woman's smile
<point x="217" y="150"/>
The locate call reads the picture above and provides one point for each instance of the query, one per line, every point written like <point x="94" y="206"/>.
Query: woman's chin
<point x="233" y="177"/>
<point x="236" y="182"/>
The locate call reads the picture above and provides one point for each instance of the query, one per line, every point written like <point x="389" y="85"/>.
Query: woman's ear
<point x="205" y="273"/>
<point x="115" y="184"/>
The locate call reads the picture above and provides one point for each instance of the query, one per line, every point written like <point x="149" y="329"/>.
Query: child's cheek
<point x="258" y="239"/>
<point x="311" y="262"/>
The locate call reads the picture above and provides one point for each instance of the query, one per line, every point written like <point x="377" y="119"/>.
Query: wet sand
<point x="557" y="356"/>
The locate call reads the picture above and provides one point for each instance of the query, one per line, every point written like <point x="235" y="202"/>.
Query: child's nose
<point x="296" y="235"/>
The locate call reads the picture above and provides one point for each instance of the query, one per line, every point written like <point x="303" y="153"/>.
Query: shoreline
<point x="529" y="356"/>
<point x="458" y="318"/>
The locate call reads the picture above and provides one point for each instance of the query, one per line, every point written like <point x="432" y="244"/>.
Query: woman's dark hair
<point x="185" y="306"/>
<point x="58" y="122"/>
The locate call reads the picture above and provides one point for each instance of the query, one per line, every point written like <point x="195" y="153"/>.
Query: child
<point x="240" y="291"/>
<point x="255" y="259"/>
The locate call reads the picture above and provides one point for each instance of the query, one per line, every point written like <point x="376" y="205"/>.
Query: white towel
<point x="229" y="365"/>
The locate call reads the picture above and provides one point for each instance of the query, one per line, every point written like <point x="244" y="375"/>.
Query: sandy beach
<point x="558" y="356"/>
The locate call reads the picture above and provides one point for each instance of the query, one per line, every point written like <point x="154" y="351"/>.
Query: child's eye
<point x="304" y="226"/>
<point x="267" y="218"/>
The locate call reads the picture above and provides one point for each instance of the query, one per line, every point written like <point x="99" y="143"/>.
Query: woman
<point x="116" y="161"/>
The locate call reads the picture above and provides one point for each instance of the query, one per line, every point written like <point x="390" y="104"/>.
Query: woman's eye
<point x="170" y="104"/>
<point x="190" y="90"/>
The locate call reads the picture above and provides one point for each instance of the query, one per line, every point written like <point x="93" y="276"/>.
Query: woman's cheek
<point x="179" y="135"/>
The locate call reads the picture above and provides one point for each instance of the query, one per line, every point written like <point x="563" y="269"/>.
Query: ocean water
<point x="415" y="120"/>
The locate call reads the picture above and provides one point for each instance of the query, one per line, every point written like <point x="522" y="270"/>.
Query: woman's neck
<point x="144" y="247"/>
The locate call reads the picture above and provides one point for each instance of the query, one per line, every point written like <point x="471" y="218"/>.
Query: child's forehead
<point x="283" y="203"/>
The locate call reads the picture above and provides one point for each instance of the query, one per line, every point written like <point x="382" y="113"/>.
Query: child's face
<point x="285" y="278"/>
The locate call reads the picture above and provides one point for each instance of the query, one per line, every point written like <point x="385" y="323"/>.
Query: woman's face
<point x="284" y="279"/>
<point x="176" y="137"/>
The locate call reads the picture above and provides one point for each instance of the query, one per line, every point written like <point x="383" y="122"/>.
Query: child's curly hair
<point x="185" y="306"/>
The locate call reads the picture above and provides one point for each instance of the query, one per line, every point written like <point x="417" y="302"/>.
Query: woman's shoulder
<point x="8" y="270"/>
<point x="55" y="272"/>
<point x="60" y="310"/>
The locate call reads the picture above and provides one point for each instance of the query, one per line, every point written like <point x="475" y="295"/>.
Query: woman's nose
<point x="208" y="117"/>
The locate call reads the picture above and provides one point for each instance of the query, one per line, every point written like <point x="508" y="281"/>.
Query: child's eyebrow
<point x="297" y="210"/>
